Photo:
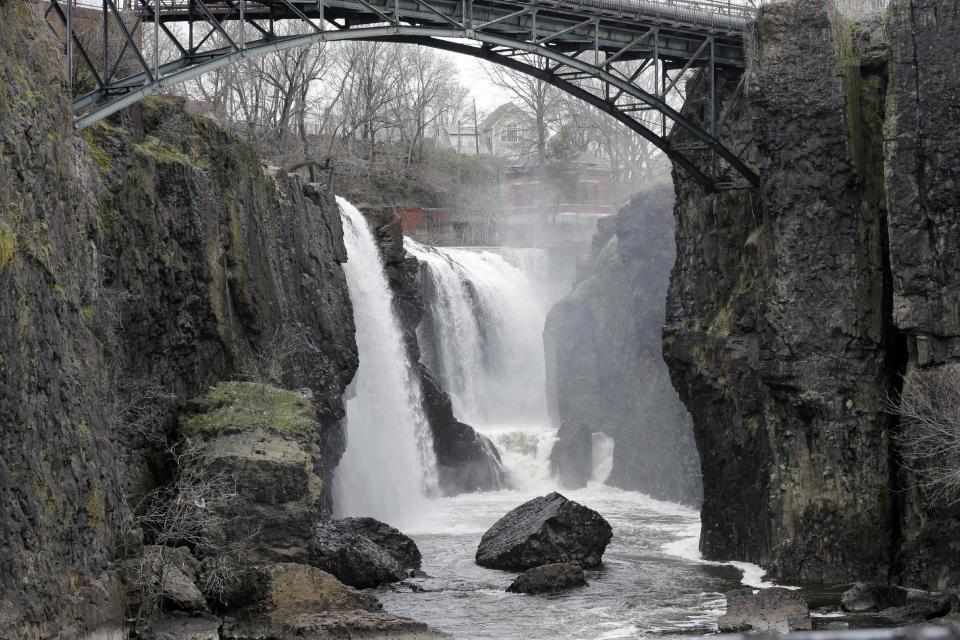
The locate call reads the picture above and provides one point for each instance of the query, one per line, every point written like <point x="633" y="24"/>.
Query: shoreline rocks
<point x="775" y="609"/>
<point x="548" y="578"/>
<point x="363" y="552"/>
<point x="546" y="530"/>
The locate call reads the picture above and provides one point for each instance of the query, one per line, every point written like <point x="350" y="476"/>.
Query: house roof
<point x="494" y="116"/>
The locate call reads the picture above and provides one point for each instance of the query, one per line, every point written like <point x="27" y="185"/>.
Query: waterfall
<point x="482" y="335"/>
<point x="388" y="468"/>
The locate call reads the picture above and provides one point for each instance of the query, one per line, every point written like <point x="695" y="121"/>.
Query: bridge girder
<point x="508" y="33"/>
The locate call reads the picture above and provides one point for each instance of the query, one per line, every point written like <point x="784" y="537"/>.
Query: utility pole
<point x="476" y="127"/>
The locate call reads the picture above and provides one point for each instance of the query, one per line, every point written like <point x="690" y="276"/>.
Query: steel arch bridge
<point x="624" y="57"/>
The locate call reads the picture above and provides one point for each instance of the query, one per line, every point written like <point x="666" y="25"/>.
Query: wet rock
<point x="548" y="578"/>
<point x="920" y="607"/>
<point x="401" y="547"/>
<point x="363" y="552"/>
<point x="774" y="609"/>
<point x="182" y="627"/>
<point x="545" y="530"/>
<point x="863" y="597"/>
<point x="343" y="625"/>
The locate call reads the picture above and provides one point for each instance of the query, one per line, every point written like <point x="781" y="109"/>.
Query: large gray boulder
<point x="548" y="578"/>
<point x="775" y="609"/>
<point x="545" y="530"/>
<point x="363" y="552"/>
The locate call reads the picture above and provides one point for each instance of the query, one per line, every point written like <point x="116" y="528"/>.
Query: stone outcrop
<point x="546" y="530"/>
<point x="265" y="441"/>
<point x="466" y="460"/>
<point x="863" y="597"/>
<point x="363" y="552"/>
<point x="605" y="368"/>
<point x="794" y="308"/>
<point x="548" y="578"/>
<point x="775" y="609"/>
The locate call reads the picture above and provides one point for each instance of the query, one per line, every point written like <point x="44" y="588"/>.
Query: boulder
<point x="344" y="625"/>
<point x="775" y="609"/>
<point x="548" y="578"/>
<point x="545" y="530"/>
<point x="863" y="597"/>
<point x="920" y="607"/>
<point x="164" y="574"/>
<point x="182" y="627"/>
<point x="363" y="552"/>
<point x="270" y="595"/>
<point x="403" y="549"/>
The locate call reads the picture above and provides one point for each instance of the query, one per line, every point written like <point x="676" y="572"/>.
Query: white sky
<point x="474" y="78"/>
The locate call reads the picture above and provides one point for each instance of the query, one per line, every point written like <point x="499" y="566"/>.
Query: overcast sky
<point x="473" y="77"/>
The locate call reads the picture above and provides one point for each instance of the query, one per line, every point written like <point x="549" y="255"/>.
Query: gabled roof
<point x="500" y="112"/>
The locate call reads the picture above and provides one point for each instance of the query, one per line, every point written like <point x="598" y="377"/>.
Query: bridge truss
<point x="628" y="58"/>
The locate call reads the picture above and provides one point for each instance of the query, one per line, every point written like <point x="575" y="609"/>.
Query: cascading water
<point x="388" y="468"/>
<point x="482" y="335"/>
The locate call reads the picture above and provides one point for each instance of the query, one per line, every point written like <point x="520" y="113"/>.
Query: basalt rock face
<point x="221" y="266"/>
<point x="59" y="484"/>
<point x="786" y="321"/>
<point x="166" y="227"/>
<point x="605" y="368"/>
<point x="466" y="460"/>
<point x="922" y="183"/>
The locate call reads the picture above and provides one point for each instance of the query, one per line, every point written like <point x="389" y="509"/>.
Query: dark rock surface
<point x="605" y="368"/>
<point x="400" y="547"/>
<point x="922" y="184"/>
<point x="59" y="482"/>
<point x="546" y="530"/>
<point x="363" y="552"/>
<point x="548" y="578"/>
<point x="791" y="316"/>
<point x="863" y="597"/>
<point x="774" y="609"/>
<point x="466" y="460"/>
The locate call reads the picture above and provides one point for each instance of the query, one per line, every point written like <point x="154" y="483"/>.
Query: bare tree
<point x="929" y="434"/>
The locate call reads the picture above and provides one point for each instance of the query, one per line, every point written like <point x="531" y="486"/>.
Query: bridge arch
<point x="560" y="69"/>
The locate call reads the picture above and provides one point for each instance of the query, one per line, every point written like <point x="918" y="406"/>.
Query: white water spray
<point x="482" y="336"/>
<point x="389" y="467"/>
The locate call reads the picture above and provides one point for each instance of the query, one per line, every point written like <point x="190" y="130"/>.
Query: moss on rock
<point x="243" y="406"/>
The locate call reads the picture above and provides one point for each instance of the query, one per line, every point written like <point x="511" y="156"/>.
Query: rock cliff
<point x="139" y="263"/>
<point x="795" y="308"/>
<point x="605" y="370"/>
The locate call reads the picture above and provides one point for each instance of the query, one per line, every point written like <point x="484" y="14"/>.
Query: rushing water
<point x="482" y="336"/>
<point x="388" y="469"/>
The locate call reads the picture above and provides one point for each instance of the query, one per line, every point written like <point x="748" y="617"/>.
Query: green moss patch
<point x="242" y="406"/>
<point x="8" y="245"/>
<point x="154" y="148"/>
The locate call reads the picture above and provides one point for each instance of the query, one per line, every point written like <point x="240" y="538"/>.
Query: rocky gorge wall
<point x="794" y="309"/>
<point x="605" y="368"/>
<point x="139" y="263"/>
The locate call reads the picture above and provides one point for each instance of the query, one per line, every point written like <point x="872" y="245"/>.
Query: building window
<point x="510" y="133"/>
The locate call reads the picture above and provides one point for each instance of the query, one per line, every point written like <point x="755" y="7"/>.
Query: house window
<point x="510" y="133"/>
